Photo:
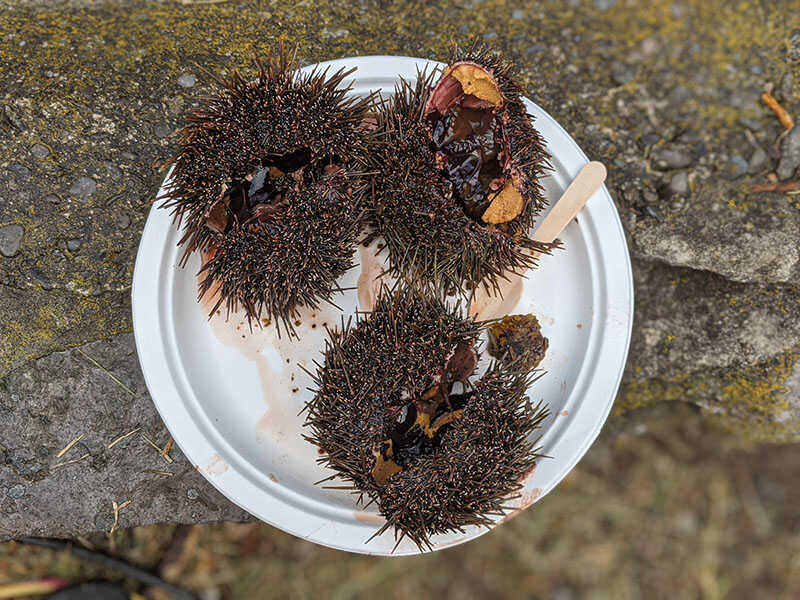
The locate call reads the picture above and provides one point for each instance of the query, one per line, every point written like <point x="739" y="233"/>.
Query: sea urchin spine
<point x="263" y="184"/>
<point x="464" y="158"/>
<point x="389" y="421"/>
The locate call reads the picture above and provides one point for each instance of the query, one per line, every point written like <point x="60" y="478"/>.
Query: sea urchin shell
<point x="263" y="186"/>
<point x="459" y="165"/>
<point x="387" y="419"/>
<point x="518" y="339"/>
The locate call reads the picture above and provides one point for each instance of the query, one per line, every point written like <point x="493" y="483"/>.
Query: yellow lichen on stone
<point x="751" y="401"/>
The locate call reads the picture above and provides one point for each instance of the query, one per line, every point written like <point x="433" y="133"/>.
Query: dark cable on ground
<point x="110" y="562"/>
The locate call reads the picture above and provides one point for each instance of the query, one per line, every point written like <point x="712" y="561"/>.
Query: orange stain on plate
<point x="368" y="517"/>
<point x="216" y="466"/>
<point x="528" y="497"/>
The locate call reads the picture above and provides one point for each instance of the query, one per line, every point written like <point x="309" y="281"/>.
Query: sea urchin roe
<point x="477" y="82"/>
<point x="469" y="114"/>
<point x="517" y="341"/>
<point x="385" y="466"/>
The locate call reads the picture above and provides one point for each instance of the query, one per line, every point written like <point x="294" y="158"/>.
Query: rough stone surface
<point x="55" y="399"/>
<point x="665" y="93"/>
<point x="728" y="347"/>
<point x="758" y="241"/>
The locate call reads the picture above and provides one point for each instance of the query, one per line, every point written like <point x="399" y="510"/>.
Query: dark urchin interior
<point x="432" y="186"/>
<point x="390" y="420"/>
<point x="249" y="151"/>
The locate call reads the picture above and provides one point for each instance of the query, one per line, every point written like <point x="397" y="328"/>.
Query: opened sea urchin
<point x="459" y="165"/>
<point x="263" y="186"/>
<point x="389" y="420"/>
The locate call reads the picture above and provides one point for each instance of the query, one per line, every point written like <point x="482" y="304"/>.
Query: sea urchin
<point x="388" y="420"/>
<point x="459" y="165"/>
<point x="263" y="185"/>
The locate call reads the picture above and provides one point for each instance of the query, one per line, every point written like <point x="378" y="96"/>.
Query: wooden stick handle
<point x="571" y="202"/>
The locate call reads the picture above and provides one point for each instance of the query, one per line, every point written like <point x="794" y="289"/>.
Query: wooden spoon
<point x="571" y="202"/>
<point x="498" y="303"/>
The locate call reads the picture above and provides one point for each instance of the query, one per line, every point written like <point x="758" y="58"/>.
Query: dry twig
<point x="779" y="186"/>
<point x="783" y="116"/>
<point x="161" y="451"/>
<point x="70" y="462"/>
<point x="107" y="372"/>
<point x="69" y="446"/>
<point x="162" y="473"/>
<point x="122" y="437"/>
<point x="117" y="508"/>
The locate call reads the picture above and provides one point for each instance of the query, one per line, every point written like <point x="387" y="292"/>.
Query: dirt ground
<point x="674" y="510"/>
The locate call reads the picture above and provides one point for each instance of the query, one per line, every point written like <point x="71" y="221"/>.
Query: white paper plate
<point x="230" y="399"/>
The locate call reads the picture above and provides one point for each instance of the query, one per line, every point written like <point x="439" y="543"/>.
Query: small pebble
<point x="794" y="45"/>
<point x="652" y="211"/>
<point x="17" y="491"/>
<point x="192" y="494"/>
<point x="51" y="198"/>
<point x="649" y="139"/>
<point x="604" y="5"/>
<point x="666" y="158"/>
<point x="40" y="278"/>
<point x="790" y="153"/>
<point x="737" y="166"/>
<point x="162" y="130"/>
<point x="622" y="73"/>
<point x="758" y="162"/>
<point x="21" y="170"/>
<point x="123" y="221"/>
<point x="517" y="14"/>
<point x="10" y="239"/>
<point x="650" y="46"/>
<point x="40" y="151"/>
<point x="113" y="171"/>
<point x="83" y="188"/>
<point x="187" y="80"/>
<point x="679" y="184"/>
<point x="650" y="196"/>
<point x="74" y="244"/>
<point x="787" y="86"/>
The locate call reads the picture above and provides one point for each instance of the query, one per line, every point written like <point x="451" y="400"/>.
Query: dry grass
<point x="677" y="512"/>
